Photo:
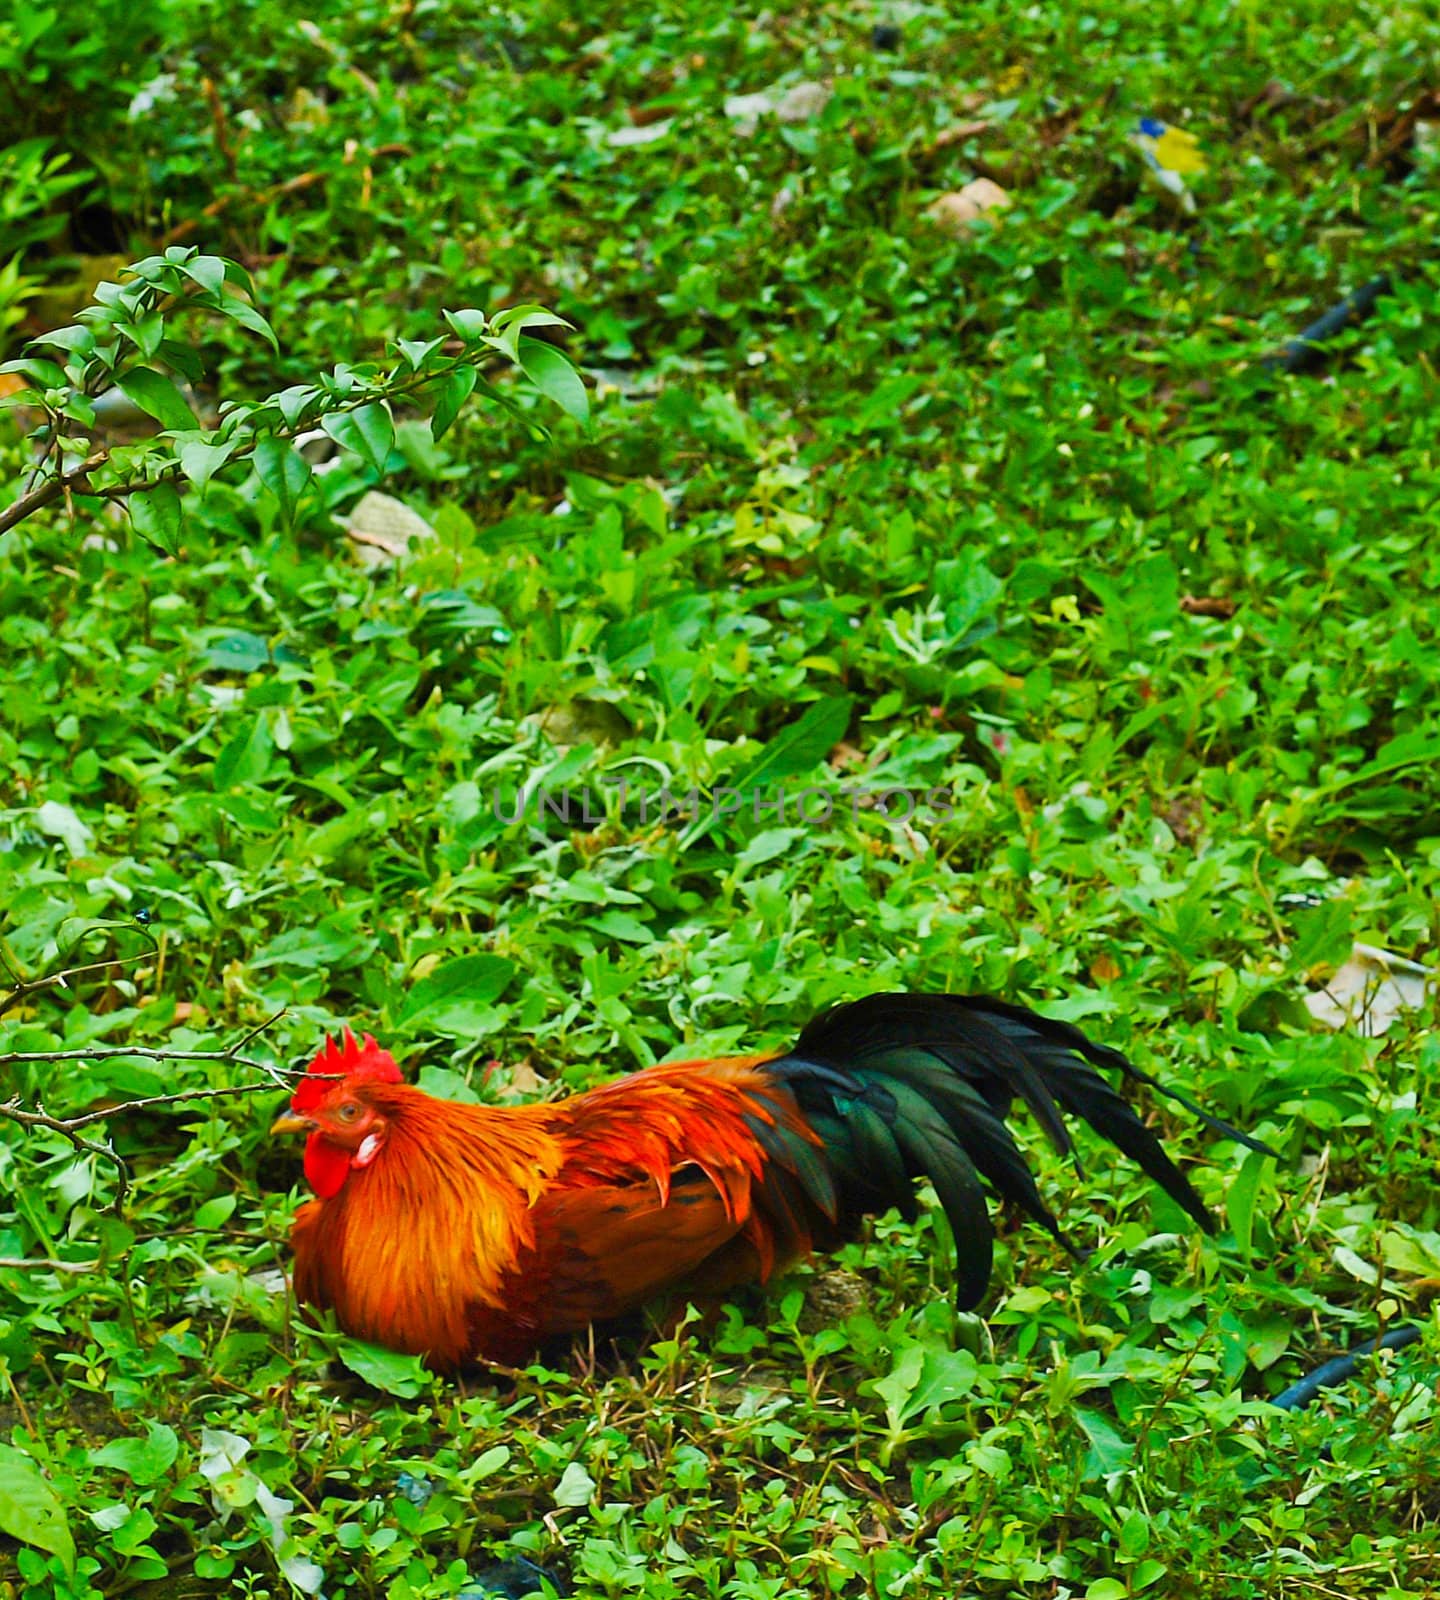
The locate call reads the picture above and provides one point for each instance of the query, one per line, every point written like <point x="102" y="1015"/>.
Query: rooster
<point x="474" y="1232"/>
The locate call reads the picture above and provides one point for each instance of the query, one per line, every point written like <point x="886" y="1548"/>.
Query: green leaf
<point x="368" y="431"/>
<point x="158" y="396"/>
<point x="246" y="759"/>
<point x="206" y="271"/>
<point x="1240" y="1202"/>
<point x="452" y="391"/>
<point x="247" y="316"/>
<point x="141" y="1460"/>
<point x="30" y="1510"/>
<point x="158" y="516"/>
<point x="554" y="377"/>
<point x="402" y="1376"/>
<point x="477" y="980"/>
<point x="1110" y="1451"/>
<point x="470" y="325"/>
<point x="899" y="1384"/>
<point x="77" y="339"/>
<point x="575" y="1488"/>
<point x="416" y="352"/>
<point x="200" y="460"/>
<point x="284" y="472"/>
<point x="1323" y="935"/>
<point x="215" y="1212"/>
<point x="802" y="745"/>
<point x="796" y="749"/>
<point x="43" y="374"/>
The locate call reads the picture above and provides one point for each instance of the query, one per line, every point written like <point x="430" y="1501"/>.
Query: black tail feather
<point x="900" y="1087"/>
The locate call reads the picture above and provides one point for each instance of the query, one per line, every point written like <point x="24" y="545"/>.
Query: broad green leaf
<point x="452" y="391"/>
<point x="206" y="271"/>
<point x="400" y="1375"/>
<point x="1110" y="1451"/>
<point x="247" y="316"/>
<point x="158" y="516"/>
<point x="284" y="472"/>
<point x="30" y="1510"/>
<point x="215" y="1212"/>
<point x="1323" y="935"/>
<point x="200" y="460"/>
<point x="899" y="1384"/>
<point x="793" y="751"/>
<point x="801" y="746"/>
<point x="416" y="352"/>
<point x="141" y="1460"/>
<point x="157" y="397"/>
<point x="246" y="758"/>
<point x="78" y="339"/>
<point x="43" y="374"/>
<point x="294" y="401"/>
<point x="554" y="377"/>
<point x="471" y="326"/>
<point x="575" y="1488"/>
<point x="473" y="980"/>
<point x="368" y="431"/>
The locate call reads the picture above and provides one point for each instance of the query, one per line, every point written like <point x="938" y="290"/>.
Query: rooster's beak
<point x="290" y="1123"/>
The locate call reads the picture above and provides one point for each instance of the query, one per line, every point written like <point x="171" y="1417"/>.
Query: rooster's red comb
<point x="343" y="1058"/>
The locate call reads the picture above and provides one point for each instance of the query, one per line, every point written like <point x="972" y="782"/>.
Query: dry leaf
<point x="959" y="210"/>
<point x="643" y="116"/>
<point x="957" y="132"/>
<point x="639" y="135"/>
<point x="1371" y="989"/>
<point x="383" y="528"/>
<point x="803" y="103"/>
<point x="1208" y="605"/>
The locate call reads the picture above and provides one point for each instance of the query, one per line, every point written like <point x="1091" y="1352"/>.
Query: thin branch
<point x="69" y="1127"/>
<point x="44" y="1263"/>
<point x="51" y="490"/>
<point x="66" y="1125"/>
<point x="61" y="979"/>
<point x="106" y="1152"/>
<point x="279" y="1076"/>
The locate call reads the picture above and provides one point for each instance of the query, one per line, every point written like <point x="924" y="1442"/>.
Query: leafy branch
<point x="128" y="341"/>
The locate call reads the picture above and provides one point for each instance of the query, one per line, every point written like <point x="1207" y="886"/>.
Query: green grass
<point x="949" y="492"/>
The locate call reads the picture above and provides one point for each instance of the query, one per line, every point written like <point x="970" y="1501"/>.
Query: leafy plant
<point x="128" y="340"/>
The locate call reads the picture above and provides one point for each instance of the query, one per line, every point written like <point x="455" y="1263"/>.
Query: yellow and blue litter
<point x="1171" y="155"/>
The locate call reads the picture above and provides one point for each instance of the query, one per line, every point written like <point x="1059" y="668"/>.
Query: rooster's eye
<point x="348" y="1112"/>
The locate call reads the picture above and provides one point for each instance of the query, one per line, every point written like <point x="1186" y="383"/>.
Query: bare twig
<point x="279" y="1076"/>
<point x="45" y="1264"/>
<point x="61" y="979"/>
<point x="69" y="1127"/>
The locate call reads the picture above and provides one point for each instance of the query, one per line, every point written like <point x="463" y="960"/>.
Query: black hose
<point x="1307" y="351"/>
<point x="1341" y="1367"/>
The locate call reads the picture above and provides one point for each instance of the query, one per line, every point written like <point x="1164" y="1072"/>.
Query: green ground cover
<point x="1012" y="512"/>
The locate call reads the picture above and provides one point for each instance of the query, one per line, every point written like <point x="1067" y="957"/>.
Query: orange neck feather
<point x="414" y="1243"/>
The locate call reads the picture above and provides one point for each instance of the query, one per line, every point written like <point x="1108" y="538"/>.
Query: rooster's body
<point x="464" y="1232"/>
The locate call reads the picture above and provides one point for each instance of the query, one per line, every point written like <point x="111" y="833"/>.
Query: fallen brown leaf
<point x="1208" y="605"/>
<point x="958" y="131"/>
